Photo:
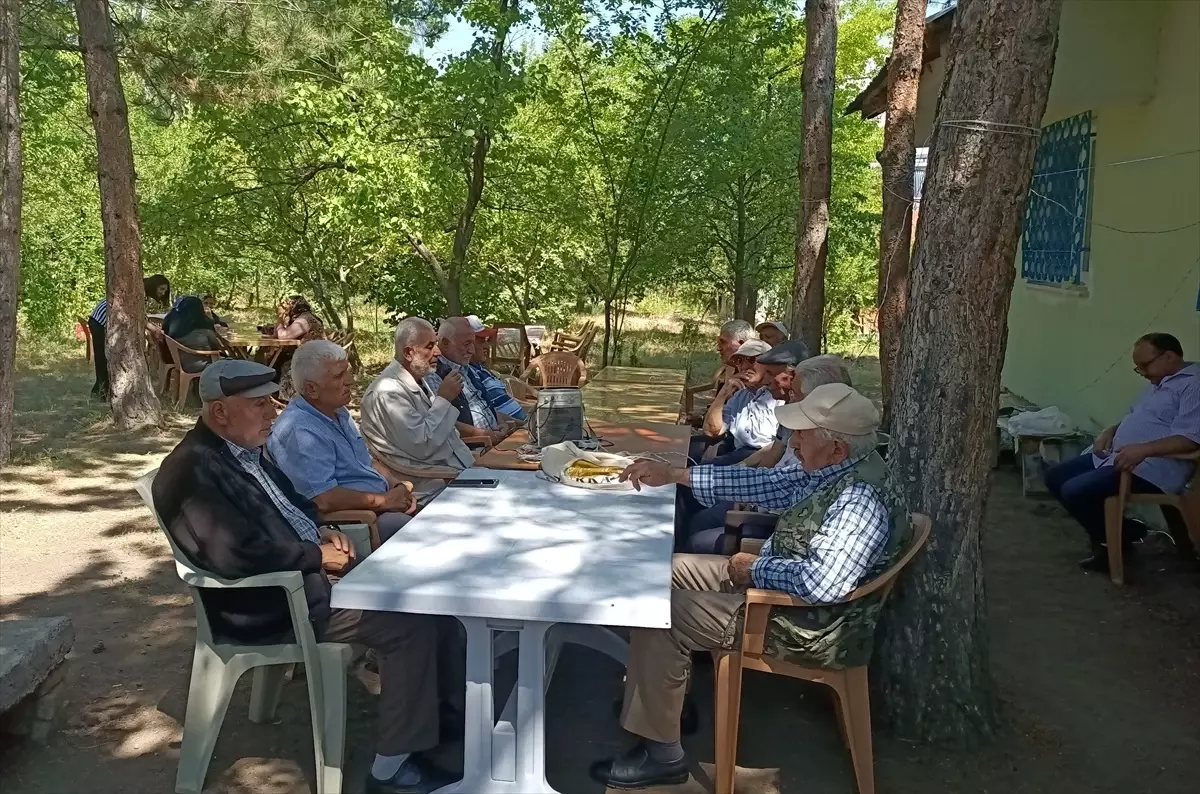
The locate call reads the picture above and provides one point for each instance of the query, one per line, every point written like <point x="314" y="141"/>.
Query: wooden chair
<point x="585" y="344"/>
<point x="1186" y="503"/>
<point x="850" y="684"/>
<point x="87" y="337"/>
<point x="557" y="369"/>
<point x="509" y="348"/>
<point x="565" y="342"/>
<point x="184" y="379"/>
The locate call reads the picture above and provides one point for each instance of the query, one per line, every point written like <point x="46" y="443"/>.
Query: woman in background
<point x="189" y="325"/>
<point x="294" y="319"/>
<point x="158" y="290"/>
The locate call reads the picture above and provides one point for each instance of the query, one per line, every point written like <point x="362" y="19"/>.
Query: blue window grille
<point x="1054" y="242"/>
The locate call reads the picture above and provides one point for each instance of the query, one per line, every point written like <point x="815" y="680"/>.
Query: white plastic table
<point x="522" y="558"/>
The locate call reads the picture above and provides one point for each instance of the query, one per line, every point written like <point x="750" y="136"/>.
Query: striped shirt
<point x="1170" y="407"/>
<point x="853" y="534"/>
<point x="483" y="415"/>
<point x="497" y="393"/>
<point x="100" y="313"/>
<point x="251" y="462"/>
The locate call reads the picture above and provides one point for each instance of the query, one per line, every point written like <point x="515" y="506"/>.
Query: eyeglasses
<point x="1141" y="368"/>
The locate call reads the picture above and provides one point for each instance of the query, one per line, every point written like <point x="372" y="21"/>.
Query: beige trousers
<point x="703" y="603"/>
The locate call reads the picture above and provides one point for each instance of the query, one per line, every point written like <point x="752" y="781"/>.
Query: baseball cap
<point x="778" y="326"/>
<point x="833" y="406"/>
<point x="233" y="377"/>
<point x="752" y="348"/>
<point x="789" y="353"/>
<point x="476" y="324"/>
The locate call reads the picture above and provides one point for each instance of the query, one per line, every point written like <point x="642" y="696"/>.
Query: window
<point x="1054" y="242"/>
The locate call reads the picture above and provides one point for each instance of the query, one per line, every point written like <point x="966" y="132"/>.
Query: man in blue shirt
<point x="494" y="387"/>
<point x="318" y="446"/>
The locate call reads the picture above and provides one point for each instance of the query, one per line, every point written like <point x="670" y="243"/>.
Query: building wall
<point x="1071" y="348"/>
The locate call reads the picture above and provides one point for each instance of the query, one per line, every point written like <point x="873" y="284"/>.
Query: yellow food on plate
<point x="585" y="469"/>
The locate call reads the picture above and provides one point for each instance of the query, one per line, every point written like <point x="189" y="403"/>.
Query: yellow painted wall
<point x="1073" y="349"/>
<point x="1136" y="65"/>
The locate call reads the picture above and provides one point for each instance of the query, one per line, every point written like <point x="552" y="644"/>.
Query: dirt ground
<point x="1099" y="686"/>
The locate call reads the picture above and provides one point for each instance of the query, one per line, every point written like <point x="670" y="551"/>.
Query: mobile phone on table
<point x="460" y="483"/>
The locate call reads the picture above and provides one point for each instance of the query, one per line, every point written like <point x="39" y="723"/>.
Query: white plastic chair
<point x="217" y="666"/>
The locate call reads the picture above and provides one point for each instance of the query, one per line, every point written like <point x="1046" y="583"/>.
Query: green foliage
<point x="630" y="151"/>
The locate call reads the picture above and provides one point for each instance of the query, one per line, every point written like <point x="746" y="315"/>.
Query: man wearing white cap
<point x="232" y="512"/>
<point x="494" y="387"/>
<point x="773" y="332"/>
<point x="837" y="534"/>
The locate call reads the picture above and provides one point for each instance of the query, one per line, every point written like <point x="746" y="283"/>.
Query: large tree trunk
<point x="11" y="180"/>
<point x="812" y="219"/>
<point x="897" y="159"/>
<point x="130" y="390"/>
<point x="465" y="230"/>
<point x="933" y="663"/>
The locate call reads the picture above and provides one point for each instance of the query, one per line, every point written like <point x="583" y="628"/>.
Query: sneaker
<point x="415" y="776"/>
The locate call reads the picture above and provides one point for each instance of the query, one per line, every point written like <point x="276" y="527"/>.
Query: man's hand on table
<point x="1128" y="458"/>
<point x="739" y="568"/>
<point x="337" y="552"/>
<point x="652" y="473"/>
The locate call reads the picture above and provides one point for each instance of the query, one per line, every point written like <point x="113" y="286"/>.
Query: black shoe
<point x="415" y="776"/>
<point x="1097" y="561"/>
<point x="635" y="769"/>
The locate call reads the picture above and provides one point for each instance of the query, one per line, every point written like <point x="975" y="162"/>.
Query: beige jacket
<point x="406" y="426"/>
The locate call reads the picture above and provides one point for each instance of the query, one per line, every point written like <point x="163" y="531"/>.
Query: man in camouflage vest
<point x="838" y="530"/>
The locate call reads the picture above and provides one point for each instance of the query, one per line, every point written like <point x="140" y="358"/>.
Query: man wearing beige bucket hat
<point x="841" y="526"/>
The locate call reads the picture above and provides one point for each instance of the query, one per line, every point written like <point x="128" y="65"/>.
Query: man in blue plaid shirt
<point x="833" y="431"/>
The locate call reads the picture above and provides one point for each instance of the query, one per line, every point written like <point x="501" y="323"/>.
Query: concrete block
<point x="30" y="652"/>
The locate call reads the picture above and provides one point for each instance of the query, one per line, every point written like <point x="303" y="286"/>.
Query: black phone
<point x="473" y="484"/>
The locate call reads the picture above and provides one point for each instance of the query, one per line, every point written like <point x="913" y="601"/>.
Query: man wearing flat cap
<point x="842" y="526"/>
<point x="744" y="408"/>
<point x="233" y="513"/>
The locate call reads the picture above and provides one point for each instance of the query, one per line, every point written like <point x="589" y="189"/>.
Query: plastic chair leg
<point x="856" y="716"/>
<point x="264" y="693"/>
<point x="208" y="699"/>
<point x="330" y="754"/>
<point x="728" y="710"/>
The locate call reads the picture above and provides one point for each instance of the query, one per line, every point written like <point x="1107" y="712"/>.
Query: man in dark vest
<point x="841" y="528"/>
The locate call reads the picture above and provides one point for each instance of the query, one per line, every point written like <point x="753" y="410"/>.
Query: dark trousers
<point x="422" y="664"/>
<point x="1081" y="488"/>
<point x="100" y="388"/>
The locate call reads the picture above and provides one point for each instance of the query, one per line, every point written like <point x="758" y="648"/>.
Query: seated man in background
<point x="318" y="446"/>
<point x="747" y="416"/>
<point x="729" y="339"/>
<point x="233" y="513"/>
<point x="493" y="385"/>
<point x="407" y="424"/>
<point x="772" y="332"/>
<point x="1165" y="420"/>
<point x="477" y="419"/>
<point x="706" y="529"/>
<point x="837" y="533"/>
<point x="742" y="382"/>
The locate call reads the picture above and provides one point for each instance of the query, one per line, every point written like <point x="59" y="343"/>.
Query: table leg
<point x="503" y="757"/>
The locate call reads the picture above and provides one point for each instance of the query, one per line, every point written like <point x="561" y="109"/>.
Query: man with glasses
<point x="1164" y="421"/>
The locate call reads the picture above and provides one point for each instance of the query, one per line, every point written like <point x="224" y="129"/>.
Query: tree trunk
<point x="130" y="391"/>
<point x="812" y="219"/>
<point x="466" y="219"/>
<point x="608" y="328"/>
<point x="11" y="180"/>
<point x="897" y="160"/>
<point x="932" y="667"/>
<point x="448" y="287"/>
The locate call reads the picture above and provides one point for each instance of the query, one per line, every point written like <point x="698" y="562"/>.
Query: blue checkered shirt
<point x="251" y="462"/>
<point x="771" y="489"/>
<point x="851" y="538"/>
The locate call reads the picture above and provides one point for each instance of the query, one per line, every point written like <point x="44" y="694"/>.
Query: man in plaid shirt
<point x="833" y="432"/>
